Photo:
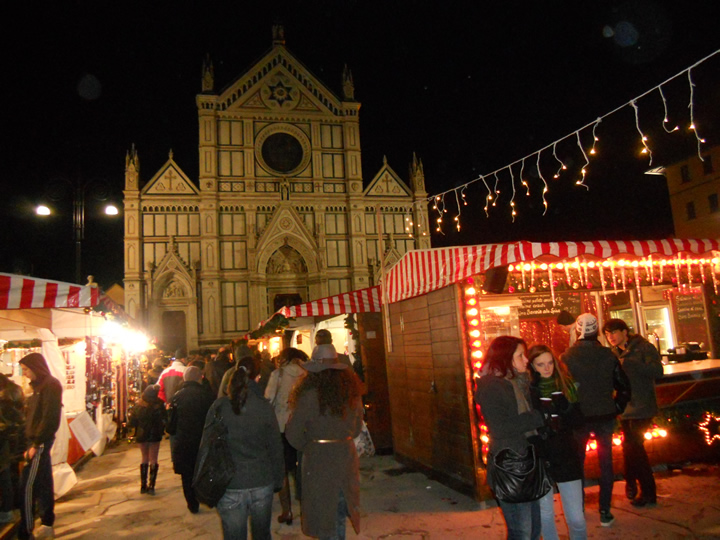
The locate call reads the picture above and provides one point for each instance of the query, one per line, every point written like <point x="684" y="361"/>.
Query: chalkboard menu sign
<point x="540" y="306"/>
<point x="689" y="308"/>
<point x="690" y="317"/>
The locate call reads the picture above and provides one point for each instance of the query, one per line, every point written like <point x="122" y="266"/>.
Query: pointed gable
<point x="279" y="82"/>
<point x="170" y="180"/>
<point x="286" y="222"/>
<point x="387" y="183"/>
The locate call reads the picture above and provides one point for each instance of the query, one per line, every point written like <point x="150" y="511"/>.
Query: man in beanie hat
<point x="42" y="419"/>
<point x="603" y="393"/>
<point x="188" y="410"/>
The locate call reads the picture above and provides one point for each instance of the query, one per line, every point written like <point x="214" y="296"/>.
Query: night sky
<point x="469" y="86"/>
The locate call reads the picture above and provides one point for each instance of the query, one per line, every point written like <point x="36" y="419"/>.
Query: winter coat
<point x="44" y="407"/>
<point x="254" y="440"/>
<point x="188" y="410"/>
<point x="281" y="383"/>
<point x="214" y="371"/>
<point x="148" y="419"/>
<point x="499" y="408"/>
<point x="603" y="387"/>
<point x="327" y="468"/>
<point x="170" y="380"/>
<point x="558" y="444"/>
<point x="641" y="361"/>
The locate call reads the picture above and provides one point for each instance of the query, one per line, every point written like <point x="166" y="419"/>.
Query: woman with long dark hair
<point x="326" y="415"/>
<point x="503" y="393"/>
<point x="148" y="418"/>
<point x="554" y="391"/>
<point x="256" y="447"/>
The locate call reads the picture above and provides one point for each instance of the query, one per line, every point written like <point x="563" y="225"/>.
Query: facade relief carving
<point x="174" y="290"/>
<point x="286" y="260"/>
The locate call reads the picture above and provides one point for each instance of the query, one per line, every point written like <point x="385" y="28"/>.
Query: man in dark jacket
<point x="12" y="445"/>
<point x="42" y="419"/>
<point x="189" y="408"/>
<point x="603" y="393"/>
<point x="641" y="361"/>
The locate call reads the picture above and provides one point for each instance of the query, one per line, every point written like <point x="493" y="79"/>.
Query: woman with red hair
<point x="503" y="393"/>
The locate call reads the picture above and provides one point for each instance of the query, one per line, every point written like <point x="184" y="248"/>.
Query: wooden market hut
<point x="447" y="304"/>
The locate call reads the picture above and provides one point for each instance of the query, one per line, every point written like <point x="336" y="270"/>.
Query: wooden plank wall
<point x="428" y="390"/>
<point x="377" y="399"/>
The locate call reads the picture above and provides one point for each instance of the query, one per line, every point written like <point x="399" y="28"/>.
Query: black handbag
<point x="518" y="478"/>
<point x="214" y="468"/>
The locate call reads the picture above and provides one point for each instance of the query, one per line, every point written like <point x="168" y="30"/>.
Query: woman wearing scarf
<point x="503" y="395"/>
<point x="554" y="392"/>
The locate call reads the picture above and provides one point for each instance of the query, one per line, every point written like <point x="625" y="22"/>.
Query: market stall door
<point x="174" y="330"/>
<point x="377" y="400"/>
<point x="428" y="389"/>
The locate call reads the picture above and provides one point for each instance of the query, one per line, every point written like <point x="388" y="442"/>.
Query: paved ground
<point x="397" y="503"/>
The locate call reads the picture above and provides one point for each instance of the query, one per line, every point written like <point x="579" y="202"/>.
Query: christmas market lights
<point x="492" y="195"/>
<point x="710" y="427"/>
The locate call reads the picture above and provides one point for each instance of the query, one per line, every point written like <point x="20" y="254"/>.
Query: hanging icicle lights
<point x="438" y="200"/>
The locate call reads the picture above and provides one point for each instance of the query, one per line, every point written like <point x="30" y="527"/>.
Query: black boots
<point x="153" y="475"/>
<point x="143" y="478"/>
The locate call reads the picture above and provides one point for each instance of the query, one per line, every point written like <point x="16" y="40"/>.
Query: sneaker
<point x="644" y="502"/>
<point x="44" y="531"/>
<point x="606" y="518"/>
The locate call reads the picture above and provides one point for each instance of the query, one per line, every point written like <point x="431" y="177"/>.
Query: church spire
<point x="417" y="175"/>
<point x="348" y="84"/>
<point x="278" y="34"/>
<point x="132" y="169"/>
<point x="208" y="76"/>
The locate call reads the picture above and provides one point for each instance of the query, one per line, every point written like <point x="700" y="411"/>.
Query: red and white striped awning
<point x="421" y="271"/>
<point x="361" y="301"/>
<point x="20" y="292"/>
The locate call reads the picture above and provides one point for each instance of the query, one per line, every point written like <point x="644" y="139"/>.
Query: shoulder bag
<point x="517" y="478"/>
<point x="214" y="468"/>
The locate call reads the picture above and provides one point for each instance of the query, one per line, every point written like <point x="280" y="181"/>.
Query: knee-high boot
<point x="143" y="477"/>
<point x="153" y="475"/>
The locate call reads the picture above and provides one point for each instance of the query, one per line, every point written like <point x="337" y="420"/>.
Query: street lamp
<point x="98" y="189"/>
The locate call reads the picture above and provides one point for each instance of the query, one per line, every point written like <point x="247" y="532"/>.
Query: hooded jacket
<point x="643" y="365"/>
<point x="44" y="406"/>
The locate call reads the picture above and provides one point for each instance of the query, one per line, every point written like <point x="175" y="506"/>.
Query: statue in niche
<point x="286" y="260"/>
<point x="284" y="189"/>
<point x="174" y="290"/>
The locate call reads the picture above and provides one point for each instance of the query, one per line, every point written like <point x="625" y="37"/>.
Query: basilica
<point x="278" y="214"/>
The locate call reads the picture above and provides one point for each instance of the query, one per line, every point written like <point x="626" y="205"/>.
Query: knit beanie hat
<point x="192" y="373"/>
<point x="586" y="324"/>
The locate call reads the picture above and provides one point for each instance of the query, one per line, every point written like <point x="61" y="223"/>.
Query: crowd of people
<point x="541" y="410"/>
<point x="296" y="418"/>
<point x="288" y="418"/>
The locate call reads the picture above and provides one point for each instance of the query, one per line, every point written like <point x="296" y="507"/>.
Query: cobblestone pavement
<point x="396" y="503"/>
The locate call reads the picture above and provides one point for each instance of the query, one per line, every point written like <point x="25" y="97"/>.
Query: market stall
<point x="58" y="320"/>
<point x="354" y="321"/>
<point x="447" y="304"/>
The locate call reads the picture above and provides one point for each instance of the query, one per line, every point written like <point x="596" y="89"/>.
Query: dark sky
<point x="469" y="86"/>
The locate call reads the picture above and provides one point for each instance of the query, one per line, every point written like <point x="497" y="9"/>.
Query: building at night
<point x="694" y="187"/>
<point x="279" y="212"/>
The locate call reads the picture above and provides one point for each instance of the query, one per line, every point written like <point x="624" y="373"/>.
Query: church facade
<point x="278" y="214"/>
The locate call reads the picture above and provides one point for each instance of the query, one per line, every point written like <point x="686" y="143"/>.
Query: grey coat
<point x="327" y="468"/>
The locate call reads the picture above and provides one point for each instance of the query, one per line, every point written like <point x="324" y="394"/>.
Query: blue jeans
<point x="603" y="435"/>
<point x="571" y="494"/>
<point x="237" y="505"/>
<point x="522" y="520"/>
<point x="341" y="515"/>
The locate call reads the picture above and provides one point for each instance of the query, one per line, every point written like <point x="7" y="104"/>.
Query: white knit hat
<point x="586" y="324"/>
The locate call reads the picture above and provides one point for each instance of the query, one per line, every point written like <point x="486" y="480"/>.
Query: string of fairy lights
<point x="492" y="180"/>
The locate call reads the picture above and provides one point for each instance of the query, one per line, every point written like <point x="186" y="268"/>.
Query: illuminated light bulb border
<point x="705" y="427"/>
<point x="594" y="124"/>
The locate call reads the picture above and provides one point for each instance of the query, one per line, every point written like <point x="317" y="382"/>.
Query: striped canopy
<point x="21" y="292"/>
<point x="361" y="301"/>
<point x="422" y="271"/>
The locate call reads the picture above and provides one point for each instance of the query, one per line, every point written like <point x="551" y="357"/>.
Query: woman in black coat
<point x="188" y="410"/>
<point x="148" y="419"/>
